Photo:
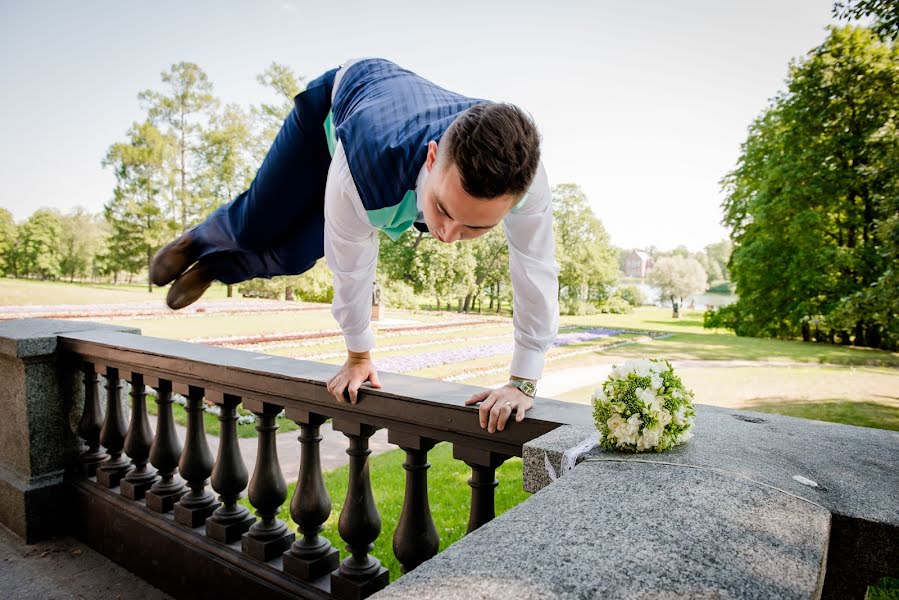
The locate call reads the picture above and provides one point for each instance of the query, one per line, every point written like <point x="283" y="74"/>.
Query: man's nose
<point x="452" y="231"/>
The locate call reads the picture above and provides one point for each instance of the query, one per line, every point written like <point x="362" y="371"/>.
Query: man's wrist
<point x="528" y="387"/>
<point x="359" y="355"/>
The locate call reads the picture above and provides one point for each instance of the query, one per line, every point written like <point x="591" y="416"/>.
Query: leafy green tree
<point x="179" y="111"/>
<point x="38" y="244"/>
<point x="7" y="241"/>
<point x="138" y="226"/>
<point x="225" y="162"/>
<point x="80" y="239"/>
<point x="813" y="192"/>
<point x="444" y="270"/>
<point x="885" y="14"/>
<point x="718" y="256"/>
<point x="678" y="278"/>
<point x="285" y="83"/>
<point x="491" y="259"/>
<point x="588" y="262"/>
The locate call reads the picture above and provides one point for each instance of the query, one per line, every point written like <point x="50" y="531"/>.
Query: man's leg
<point x="302" y="248"/>
<point x="288" y="189"/>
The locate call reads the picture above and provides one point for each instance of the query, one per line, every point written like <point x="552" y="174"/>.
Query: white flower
<point x="643" y="368"/>
<point x="649" y="399"/>
<point x="655" y="381"/>
<point x="614" y="422"/>
<point x="678" y="416"/>
<point x="633" y="424"/>
<point x="649" y="439"/>
<point x="664" y="417"/>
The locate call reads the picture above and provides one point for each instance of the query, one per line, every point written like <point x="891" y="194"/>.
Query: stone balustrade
<point x="755" y="506"/>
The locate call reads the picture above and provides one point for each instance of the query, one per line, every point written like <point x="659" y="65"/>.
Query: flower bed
<point x="415" y="362"/>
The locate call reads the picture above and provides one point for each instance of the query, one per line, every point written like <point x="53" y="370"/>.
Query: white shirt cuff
<point x="527" y="363"/>
<point x="360" y="342"/>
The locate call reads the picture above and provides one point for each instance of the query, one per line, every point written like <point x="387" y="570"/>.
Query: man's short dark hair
<point x="496" y="148"/>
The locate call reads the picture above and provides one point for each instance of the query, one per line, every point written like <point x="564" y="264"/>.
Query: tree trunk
<point x="467" y="306"/>
<point x="806" y="332"/>
<point x="872" y="336"/>
<point x="288" y="293"/>
<point x="149" y="260"/>
<point x="859" y="334"/>
<point x="230" y="290"/>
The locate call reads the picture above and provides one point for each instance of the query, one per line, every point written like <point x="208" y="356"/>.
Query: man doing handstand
<point x="373" y="147"/>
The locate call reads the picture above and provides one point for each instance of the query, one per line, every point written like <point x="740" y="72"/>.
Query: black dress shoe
<point x="188" y="288"/>
<point x="173" y="259"/>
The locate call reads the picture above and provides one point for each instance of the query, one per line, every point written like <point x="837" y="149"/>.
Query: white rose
<point x="664" y="417"/>
<point x="614" y="422"/>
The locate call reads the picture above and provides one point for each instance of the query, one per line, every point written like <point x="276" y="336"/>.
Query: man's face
<point x="449" y="211"/>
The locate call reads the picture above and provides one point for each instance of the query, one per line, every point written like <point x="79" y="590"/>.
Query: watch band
<point x="528" y="388"/>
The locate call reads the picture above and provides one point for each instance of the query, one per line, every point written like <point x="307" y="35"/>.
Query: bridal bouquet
<point x="642" y="406"/>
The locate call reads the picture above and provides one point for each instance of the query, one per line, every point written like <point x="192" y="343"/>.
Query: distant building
<point x="637" y="264"/>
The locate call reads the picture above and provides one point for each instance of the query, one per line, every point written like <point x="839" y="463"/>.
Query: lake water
<point x="701" y="301"/>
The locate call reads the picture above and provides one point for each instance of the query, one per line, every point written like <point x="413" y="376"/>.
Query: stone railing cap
<point x="26" y="338"/>
<point x="629" y="530"/>
<point x="855" y="468"/>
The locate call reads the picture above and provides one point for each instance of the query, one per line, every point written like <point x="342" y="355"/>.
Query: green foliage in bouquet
<point x="643" y="405"/>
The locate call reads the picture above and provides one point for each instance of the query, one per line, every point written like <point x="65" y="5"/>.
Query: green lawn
<point x="216" y="325"/>
<point x="208" y="326"/>
<point x="691" y="341"/>
<point x="448" y="493"/>
<point x="29" y="291"/>
<point x="862" y="414"/>
<point x="648" y="318"/>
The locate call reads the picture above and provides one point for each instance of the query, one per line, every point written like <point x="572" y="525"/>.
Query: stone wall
<point x="40" y="398"/>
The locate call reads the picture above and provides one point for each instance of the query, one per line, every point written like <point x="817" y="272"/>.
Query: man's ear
<point x="432" y="155"/>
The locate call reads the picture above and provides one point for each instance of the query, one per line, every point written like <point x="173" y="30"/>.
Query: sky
<point x="644" y="104"/>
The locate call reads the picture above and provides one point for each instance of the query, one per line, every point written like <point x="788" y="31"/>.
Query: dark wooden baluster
<point x="164" y="453"/>
<point x="361" y="574"/>
<point x="137" y="443"/>
<point x="91" y="423"/>
<point x="415" y="539"/>
<point x="229" y="478"/>
<point x="483" y="482"/>
<point x="269" y="537"/>
<point x="112" y="435"/>
<point x="195" y="465"/>
<point x="311" y="556"/>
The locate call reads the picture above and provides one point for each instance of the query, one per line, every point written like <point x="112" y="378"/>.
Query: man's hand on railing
<point x="497" y="406"/>
<point x="357" y="369"/>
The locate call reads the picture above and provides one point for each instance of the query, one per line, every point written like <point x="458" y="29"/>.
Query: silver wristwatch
<point x="528" y="388"/>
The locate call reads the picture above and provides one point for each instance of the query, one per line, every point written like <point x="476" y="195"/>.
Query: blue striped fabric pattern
<point x="385" y="116"/>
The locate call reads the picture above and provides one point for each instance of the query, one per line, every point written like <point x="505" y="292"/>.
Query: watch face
<point x="528" y="387"/>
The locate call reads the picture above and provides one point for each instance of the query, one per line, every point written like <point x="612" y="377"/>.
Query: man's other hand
<point x="357" y="369"/>
<point x="497" y="406"/>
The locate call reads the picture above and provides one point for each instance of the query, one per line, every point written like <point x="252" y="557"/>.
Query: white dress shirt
<point x="351" y="251"/>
